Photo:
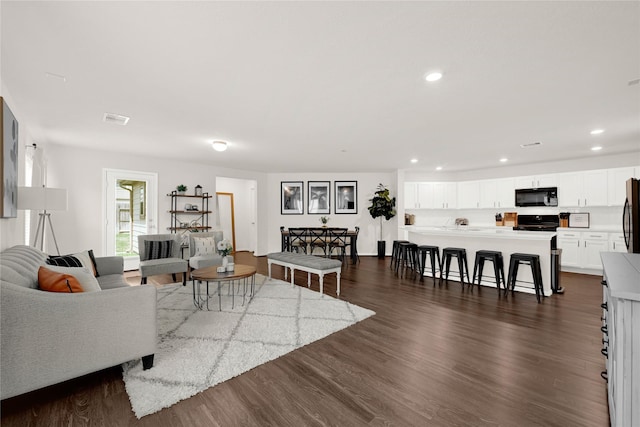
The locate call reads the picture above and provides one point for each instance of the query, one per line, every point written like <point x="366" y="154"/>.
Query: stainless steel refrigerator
<point x="631" y="216"/>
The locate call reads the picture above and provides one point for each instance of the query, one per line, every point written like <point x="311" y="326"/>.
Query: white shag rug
<point x="199" y="349"/>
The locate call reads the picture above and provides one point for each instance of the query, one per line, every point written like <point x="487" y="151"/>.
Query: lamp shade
<point x="42" y="198"/>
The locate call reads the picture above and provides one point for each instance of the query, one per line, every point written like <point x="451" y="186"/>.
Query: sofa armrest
<point x="110" y="265"/>
<point x="47" y="338"/>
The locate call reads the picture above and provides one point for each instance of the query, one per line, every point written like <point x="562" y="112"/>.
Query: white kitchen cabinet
<point x="617" y="179"/>
<point x="535" y="181"/>
<point x="583" y="189"/>
<point x="469" y="195"/>
<point x="418" y="195"/>
<point x="497" y="193"/>
<point x="445" y="195"/>
<point x="582" y="249"/>
<point x="616" y="243"/>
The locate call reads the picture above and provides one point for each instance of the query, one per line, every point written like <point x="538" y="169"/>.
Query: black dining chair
<point x="298" y="240"/>
<point x="337" y="241"/>
<point x="318" y="238"/>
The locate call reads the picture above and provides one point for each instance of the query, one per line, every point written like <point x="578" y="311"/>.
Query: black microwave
<point x="547" y="196"/>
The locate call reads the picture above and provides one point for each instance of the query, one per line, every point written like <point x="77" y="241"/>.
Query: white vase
<point x="225" y="261"/>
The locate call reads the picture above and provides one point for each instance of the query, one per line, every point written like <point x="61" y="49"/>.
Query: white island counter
<point x="501" y="239"/>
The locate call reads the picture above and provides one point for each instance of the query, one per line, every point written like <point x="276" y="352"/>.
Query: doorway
<point x="130" y="201"/>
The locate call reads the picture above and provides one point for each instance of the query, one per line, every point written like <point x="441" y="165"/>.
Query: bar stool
<point x="534" y="262"/>
<point x="394" y="252"/>
<point x="498" y="266"/>
<point x="433" y="251"/>
<point x="407" y="256"/>
<point x="461" y="254"/>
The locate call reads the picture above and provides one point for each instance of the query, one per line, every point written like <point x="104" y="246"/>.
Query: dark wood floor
<point x="433" y="355"/>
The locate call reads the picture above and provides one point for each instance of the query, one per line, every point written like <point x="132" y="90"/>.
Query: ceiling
<point x="329" y="86"/>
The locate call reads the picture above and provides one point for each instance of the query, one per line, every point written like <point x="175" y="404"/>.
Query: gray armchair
<point x="161" y="254"/>
<point x="198" y="260"/>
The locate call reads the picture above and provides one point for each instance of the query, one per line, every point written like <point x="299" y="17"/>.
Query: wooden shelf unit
<point x="200" y="216"/>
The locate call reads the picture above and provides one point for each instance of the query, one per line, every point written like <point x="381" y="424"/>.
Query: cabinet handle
<point x="578" y="201"/>
<point x="585" y="202"/>
<point x="604" y="375"/>
<point x="614" y="246"/>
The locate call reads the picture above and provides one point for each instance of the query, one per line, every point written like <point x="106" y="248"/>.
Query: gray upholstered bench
<point x="308" y="263"/>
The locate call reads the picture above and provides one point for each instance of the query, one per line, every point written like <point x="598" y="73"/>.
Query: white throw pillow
<point x="83" y="275"/>
<point x="204" y="246"/>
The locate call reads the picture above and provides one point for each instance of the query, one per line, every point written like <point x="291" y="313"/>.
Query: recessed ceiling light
<point x="597" y="131"/>
<point x="438" y="168"/>
<point x="56" y="76"/>
<point x="433" y="77"/>
<point x="116" y="119"/>
<point x="414" y="160"/>
<point x="504" y="159"/>
<point x="219" y="145"/>
<point x="596" y="148"/>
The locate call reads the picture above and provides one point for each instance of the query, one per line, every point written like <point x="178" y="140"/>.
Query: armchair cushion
<point x="204" y="246"/>
<point x="157" y="249"/>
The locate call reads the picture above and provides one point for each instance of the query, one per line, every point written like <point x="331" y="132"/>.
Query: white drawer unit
<point x="616" y="242"/>
<point x="581" y="249"/>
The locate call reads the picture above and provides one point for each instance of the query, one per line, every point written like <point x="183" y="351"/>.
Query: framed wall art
<point x="8" y="162"/>
<point x="346" y="197"/>
<point x="291" y="198"/>
<point x="319" y="197"/>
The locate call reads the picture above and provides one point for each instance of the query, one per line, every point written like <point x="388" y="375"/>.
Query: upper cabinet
<point x="469" y="194"/>
<point x="418" y="195"/>
<point x="617" y="181"/>
<point x="497" y="193"/>
<point x="583" y="189"/>
<point x="445" y="195"/>
<point x="535" y="181"/>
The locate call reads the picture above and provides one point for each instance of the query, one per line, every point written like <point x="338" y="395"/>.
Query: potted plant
<point x="382" y="206"/>
<point x="324" y="220"/>
<point x="181" y="189"/>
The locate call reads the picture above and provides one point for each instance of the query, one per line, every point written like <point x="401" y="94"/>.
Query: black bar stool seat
<point x="498" y="266"/>
<point x="461" y="254"/>
<point x="434" y="252"/>
<point x="532" y="260"/>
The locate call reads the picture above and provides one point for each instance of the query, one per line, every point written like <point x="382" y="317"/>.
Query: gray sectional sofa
<point x="48" y="337"/>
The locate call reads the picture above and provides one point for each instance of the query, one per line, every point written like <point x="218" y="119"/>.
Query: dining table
<point x="352" y="238"/>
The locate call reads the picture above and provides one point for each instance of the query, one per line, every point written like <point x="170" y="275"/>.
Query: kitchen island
<point x="501" y="239"/>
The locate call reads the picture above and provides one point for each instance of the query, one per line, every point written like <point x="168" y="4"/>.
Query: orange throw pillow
<point x="52" y="281"/>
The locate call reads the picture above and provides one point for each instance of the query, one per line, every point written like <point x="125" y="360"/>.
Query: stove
<point x="538" y="222"/>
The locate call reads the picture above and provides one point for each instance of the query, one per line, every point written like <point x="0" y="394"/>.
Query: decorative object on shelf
<point x="198" y="191"/>
<point x="291" y="198"/>
<point x="319" y="196"/>
<point x="382" y="205"/>
<point x="193" y="208"/>
<point x="187" y="206"/>
<point x="181" y="189"/>
<point x="499" y="219"/>
<point x="324" y="220"/>
<point x="347" y="197"/>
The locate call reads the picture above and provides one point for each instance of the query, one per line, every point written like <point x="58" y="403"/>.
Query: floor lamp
<point x="43" y="199"/>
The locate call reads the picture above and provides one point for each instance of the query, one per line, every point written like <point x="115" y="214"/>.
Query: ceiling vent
<point x="531" y="144"/>
<point x="634" y="82"/>
<point x="116" y="119"/>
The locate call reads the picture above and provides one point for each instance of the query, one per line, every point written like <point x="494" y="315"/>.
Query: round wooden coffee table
<point x="244" y="274"/>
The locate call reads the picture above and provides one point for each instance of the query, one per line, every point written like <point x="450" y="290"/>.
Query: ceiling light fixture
<point x="504" y="159"/>
<point x="414" y="160"/>
<point x="433" y="77"/>
<point x="596" y="148"/>
<point x="438" y="168"/>
<point x="219" y="145"/>
<point x="597" y="131"/>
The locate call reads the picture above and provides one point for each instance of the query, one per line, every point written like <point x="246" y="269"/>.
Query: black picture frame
<point x="8" y="162"/>
<point x="319" y="197"/>
<point x="291" y="198"/>
<point x="346" y="197"/>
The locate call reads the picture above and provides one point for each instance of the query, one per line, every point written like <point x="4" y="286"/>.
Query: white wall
<point x="369" y="228"/>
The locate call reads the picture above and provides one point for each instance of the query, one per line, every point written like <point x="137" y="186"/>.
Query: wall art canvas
<point x="291" y="198"/>
<point x="8" y="162"/>
<point x="319" y="196"/>
<point x="346" y="197"/>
